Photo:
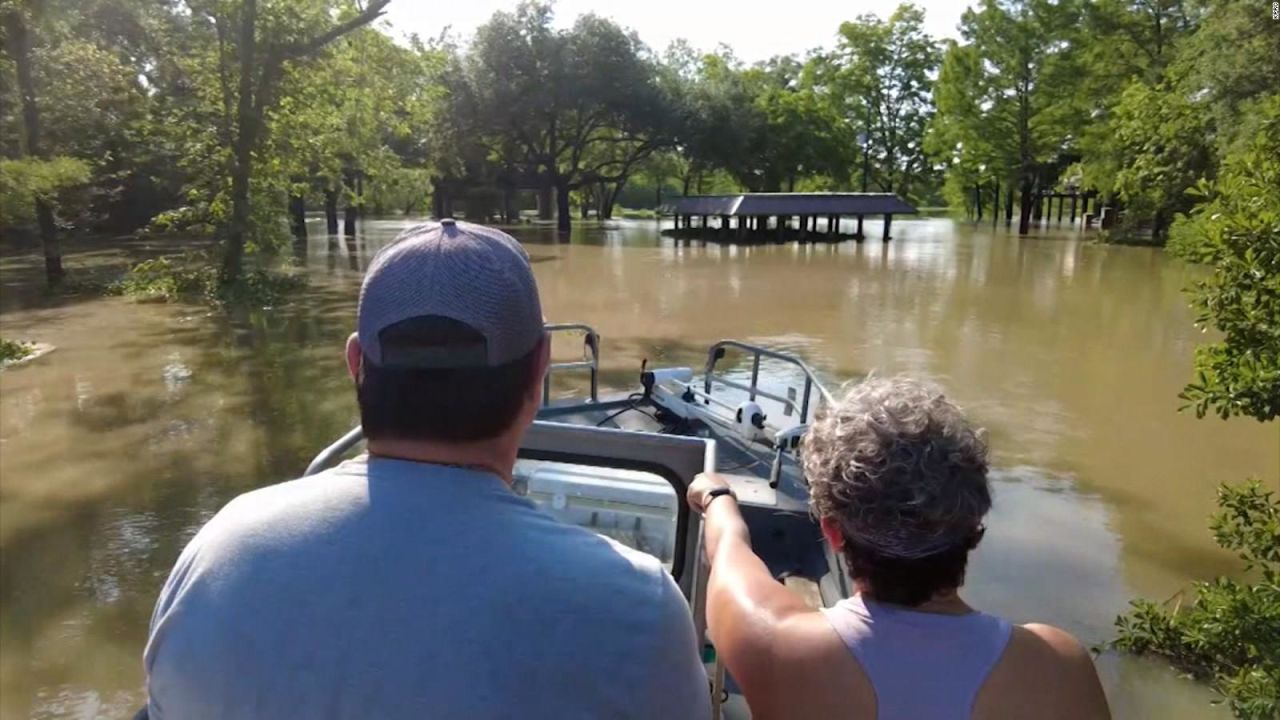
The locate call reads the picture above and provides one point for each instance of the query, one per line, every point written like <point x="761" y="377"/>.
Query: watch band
<point x="715" y="493"/>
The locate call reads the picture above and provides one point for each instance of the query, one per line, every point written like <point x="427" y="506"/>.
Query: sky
<point x="754" y="34"/>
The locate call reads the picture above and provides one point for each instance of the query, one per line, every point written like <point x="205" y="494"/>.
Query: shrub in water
<point x="1229" y="633"/>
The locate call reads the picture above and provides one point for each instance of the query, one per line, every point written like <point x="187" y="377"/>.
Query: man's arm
<point x="747" y="608"/>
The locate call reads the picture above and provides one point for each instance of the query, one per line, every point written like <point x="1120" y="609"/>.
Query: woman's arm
<point x="746" y="606"/>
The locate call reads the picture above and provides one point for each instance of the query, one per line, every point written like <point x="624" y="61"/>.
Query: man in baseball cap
<point x="412" y="582"/>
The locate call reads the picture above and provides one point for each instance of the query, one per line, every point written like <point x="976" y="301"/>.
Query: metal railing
<point x="753" y="389"/>
<point x="591" y="341"/>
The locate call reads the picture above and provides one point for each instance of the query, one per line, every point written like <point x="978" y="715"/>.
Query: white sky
<point x="754" y="32"/>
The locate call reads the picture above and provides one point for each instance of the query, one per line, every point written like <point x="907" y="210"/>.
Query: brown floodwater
<point x="147" y="418"/>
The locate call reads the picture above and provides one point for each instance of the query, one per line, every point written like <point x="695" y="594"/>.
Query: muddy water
<point x="147" y="418"/>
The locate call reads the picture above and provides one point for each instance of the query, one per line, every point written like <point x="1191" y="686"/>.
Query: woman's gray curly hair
<point x="899" y="467"/>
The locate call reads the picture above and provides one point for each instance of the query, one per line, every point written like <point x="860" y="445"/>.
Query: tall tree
<point x="1004" y="95"/>
<point x="18" y="42"/>
<point x="882" y="79"/>
<point x="259" y="43"/>
<point x="561" y="103"/>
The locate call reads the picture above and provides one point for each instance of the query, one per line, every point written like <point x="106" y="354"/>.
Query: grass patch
<point x="195" y="277"/>
<point x="11" y="350"/>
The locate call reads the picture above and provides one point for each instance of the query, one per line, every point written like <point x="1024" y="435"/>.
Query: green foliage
<point x="880" y="81"/>
<point x="195" y="277"/>
<point x="1173" y="88"/>
<point x="1230" y="631"/>
<point x="1236" y="231"/>
<point x="1005" y="106"/>
<point x="58" y="181"/>
<point x="11" y="350"/>
<point x="1157" y="145"/>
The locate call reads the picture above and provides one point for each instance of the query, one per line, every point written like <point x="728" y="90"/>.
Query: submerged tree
<point x="881" y="84"/>
<point x="1004" y="96"/>
<point x="18" y="44"/>
<point x="569" y="108"/>
<point x="255" y="44"/>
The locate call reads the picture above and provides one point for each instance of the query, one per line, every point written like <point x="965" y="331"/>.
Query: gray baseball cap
<point x="449" y="294"/>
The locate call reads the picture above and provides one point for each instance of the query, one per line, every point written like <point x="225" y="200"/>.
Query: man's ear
<point x="831" y="531"/>
<point x="542" y="362"/>
<point x="355" y="356"/>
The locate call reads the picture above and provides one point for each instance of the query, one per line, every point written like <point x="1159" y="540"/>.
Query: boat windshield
<point x="637" y="509"/>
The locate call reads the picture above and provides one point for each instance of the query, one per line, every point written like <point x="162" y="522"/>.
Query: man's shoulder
<point x="274" y="508"/>
<point x="594" y="559"/>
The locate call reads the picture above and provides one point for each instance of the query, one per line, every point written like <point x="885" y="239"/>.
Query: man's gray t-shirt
<point x="391" y="589"/>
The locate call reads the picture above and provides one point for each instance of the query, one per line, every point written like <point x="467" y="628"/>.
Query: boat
<point x="620" y="465"/>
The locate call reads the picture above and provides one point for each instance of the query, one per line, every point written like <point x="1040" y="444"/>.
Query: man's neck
<point x="496" y="456"/>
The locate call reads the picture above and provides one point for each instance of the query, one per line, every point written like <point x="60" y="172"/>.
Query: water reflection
<point x="117" y="447"/>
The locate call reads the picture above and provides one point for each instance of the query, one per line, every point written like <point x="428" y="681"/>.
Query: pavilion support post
<point x="888" y="220"/>
<point x="1073" y="209"/>
<point x="781" y="227"/>
<point x="804" y="227"/>
<point x="675" y="219"/>
<point x="858" y="235"/>
<point x="834" y="228"/>
<point x="1060" y="199"/>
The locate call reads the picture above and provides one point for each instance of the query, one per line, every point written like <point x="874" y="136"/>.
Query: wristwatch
<point x="717" y="492"/>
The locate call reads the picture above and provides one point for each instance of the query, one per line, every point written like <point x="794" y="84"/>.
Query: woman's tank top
<point x="923" y="666"/>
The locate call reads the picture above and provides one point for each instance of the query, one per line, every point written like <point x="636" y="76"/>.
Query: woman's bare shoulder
<point x="1044" y="672"/>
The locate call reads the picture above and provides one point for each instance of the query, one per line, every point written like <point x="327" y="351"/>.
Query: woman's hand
<point x="702" y="485"/>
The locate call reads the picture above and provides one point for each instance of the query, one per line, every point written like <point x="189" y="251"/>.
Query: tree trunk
<point x="611" y="199"/>
<point x="1024" y="212"/>
<point x="564" y="222"/>
<point x="349" y="211"/>
<point x="20" y="41"/>
<point x="1158" y="228"/>
<point x="544" y="200"/>
<point x="298" y="216"/>
<point x="507" y="205"/>
<point x="977" y="200"/>
<point x="331" y="210"/>
<point x="1008" y="206"/>
<point x="246" y="138"/>
<point x="995" y="203"/>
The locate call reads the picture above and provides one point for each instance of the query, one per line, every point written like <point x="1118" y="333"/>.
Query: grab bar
<point x="591" y="340"/>
<point x="717" y="353"/>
